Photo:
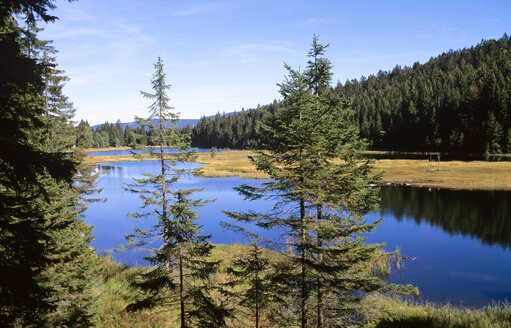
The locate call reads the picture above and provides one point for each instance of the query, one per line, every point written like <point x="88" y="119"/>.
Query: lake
<point x="460" y="240"/>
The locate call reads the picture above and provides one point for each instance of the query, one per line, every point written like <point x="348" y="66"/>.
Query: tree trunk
<point x="181" y="296"/>
<point x="319" y="280"/>
<point x="304" y="272"/>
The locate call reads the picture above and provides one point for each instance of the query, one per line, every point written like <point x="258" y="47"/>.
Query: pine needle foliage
<point x="253" y="289"/>
<point x="180" y="277"/>
<point x="321" y="193"/>
<point x="45" y="253"/>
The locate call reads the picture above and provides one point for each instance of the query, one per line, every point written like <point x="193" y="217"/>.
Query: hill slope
<point x="458" y="102"/>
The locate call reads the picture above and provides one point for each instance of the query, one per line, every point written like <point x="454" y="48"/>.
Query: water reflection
<point x="441" y="229"/>
<point x="485" y="215"/>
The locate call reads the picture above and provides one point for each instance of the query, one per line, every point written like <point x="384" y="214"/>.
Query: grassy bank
<point x="390" y="312"/>
<point x="476" y="175"/>
<point x="452" y="175"/>
<point x="116" y="292"/>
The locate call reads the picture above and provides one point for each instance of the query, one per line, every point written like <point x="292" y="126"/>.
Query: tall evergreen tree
<point x="45" y="257"/>
<point x="181" y="263"/>
<point x="322" y="191"/>
<point x="71" y="260"/>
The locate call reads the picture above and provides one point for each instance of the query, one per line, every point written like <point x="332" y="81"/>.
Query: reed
<point x="386" y="312"/>
<point x="116" y="291"/>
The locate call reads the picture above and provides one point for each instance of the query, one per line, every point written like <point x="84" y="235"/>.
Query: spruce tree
<point x="254" y="290"/>
<point x="181" y="273"/>
<point x="72" y="261"/>
<point x="322" y="192"/>
<point x="44" y="246"/>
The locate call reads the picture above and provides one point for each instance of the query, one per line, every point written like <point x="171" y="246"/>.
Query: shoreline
<point x="455" y="175"/>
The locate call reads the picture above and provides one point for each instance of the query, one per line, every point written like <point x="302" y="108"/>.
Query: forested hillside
<point x="239" y="130"/>
<point x="456" y="102"/>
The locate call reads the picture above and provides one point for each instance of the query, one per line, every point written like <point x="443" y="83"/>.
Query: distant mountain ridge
<point x="182" y="123"/>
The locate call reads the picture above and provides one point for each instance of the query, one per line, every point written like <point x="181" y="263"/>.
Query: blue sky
<point x="226" y="55"/>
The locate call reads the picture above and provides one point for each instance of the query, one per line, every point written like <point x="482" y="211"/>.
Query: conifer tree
<point x="71" y="262"/>
<point x="44" y="246"/>
<point x="322" y="191"/>
<point x="251" y="274"/>
<point x="181" y="273"/>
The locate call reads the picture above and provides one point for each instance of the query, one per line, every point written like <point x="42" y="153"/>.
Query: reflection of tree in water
<point x="485" y="215"/>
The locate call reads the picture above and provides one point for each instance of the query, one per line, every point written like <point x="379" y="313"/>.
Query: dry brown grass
<point x="109" y="159"/>
<point x="453" y="175"/>
<point x="230" y="163"/>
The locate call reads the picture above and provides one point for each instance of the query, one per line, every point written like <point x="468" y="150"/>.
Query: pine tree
<point x="71" y="261"/>
<point x="84" y="135"/>
<point x="182" y="271"/>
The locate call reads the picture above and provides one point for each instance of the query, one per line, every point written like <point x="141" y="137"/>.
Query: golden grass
<point x="109" y="159"/>
<point x="452" y="175"/>
<point x="106" y="149"/>
<point x="229" y="164"/>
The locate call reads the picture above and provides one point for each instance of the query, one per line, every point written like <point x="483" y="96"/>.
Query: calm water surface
<point x="460" y="241"/>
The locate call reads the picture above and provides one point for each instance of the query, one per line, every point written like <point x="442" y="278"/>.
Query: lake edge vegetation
<point x="379" y="311"/>
<point x="459" y="175"/>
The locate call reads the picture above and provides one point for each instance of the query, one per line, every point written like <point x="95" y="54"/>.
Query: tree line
<point x="457" y="102"/>
<point x="114" y="135"/>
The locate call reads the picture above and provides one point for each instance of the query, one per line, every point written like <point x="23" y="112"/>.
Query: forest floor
<point x="473" y="175"/>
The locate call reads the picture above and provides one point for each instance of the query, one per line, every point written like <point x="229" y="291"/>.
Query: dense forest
<point x="456" y="102"/>
<point x="238" y="131"/>
<point x="114" y="135"/>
